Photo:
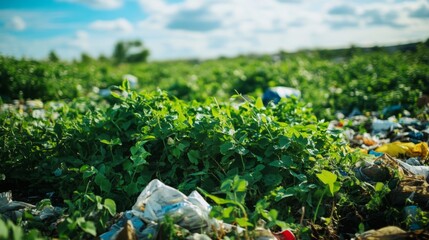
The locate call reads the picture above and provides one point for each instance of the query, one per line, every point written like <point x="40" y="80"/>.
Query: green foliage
<point x="331" y="82"/>
<point x="9" y="230"/>
<point x="99" y="155"/>
<point x="378" y="196"/>
<point x="51" y="80"/>
<point x="115" y="151"/>
<point x="87" y="215"/>
<point x="234" y="210"/>
<point x="329" y="179"/>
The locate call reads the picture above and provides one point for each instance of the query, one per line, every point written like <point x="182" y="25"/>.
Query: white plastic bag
<point x="158" y="200"/>
<point x="416" y="170"/>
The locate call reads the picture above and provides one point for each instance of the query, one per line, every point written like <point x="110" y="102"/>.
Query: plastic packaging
<point x="274" y="94"/>
<point x="158" y="200"/>
<point x="128" y="217"/>
<point x="409" y="149"/>
<point x="416" y="170"/>
<point x="411" y="212"/>
<point x="383" y="125"/>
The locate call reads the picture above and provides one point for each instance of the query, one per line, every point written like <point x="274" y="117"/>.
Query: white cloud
<point x="120" y="25"/>
<point x="17" y="23"/>
<point x="35" y="20"/>
<point x="211" y="28"/>
<point x="98" y="4"/>
<point x="81" y="41"/>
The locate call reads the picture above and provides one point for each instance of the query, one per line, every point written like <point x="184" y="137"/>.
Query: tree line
<point x="132" y="51"/>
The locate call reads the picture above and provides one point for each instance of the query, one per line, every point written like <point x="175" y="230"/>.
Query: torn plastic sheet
<point x="157" y="201"/>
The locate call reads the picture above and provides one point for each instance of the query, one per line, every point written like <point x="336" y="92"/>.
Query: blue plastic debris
<point x="275" y="94"/>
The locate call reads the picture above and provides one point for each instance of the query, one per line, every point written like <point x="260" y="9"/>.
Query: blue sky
<point x="174" y="29"/>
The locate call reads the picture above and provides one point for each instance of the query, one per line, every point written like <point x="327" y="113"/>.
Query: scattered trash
<point x="12" y="209"/>
<point x="261" y="233"/>
<point x="274" y="94"/>
<point x="392" y="110"/>
<point x="416" y="170"/>
<point x="355" y="112"/>
<point x="377" y="154"/>
<point x="389" y="232"/>
<point x="410" y="212"/>
<point x="285" y="235"/>
<point x="381" y="126"/>
<point x="373" y="173"/>
<point x="413" y="161"/>
<point x="158" y="201"/>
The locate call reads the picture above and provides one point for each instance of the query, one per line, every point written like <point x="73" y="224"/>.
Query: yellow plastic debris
<point x="408" y="149"/>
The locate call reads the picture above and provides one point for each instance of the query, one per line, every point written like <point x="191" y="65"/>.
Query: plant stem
<point x="318" y="205"/>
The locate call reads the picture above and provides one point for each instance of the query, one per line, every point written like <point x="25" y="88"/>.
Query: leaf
<point x="273" y="214"/>
<point x="301" y="177"/>
<point x="131" y="188"/>
<point x="226" y="147"/>
<point x="284" y="142"/>
<point x="3" y="230"/>
<point x="243" y="222"/>
<point x="139" y="153"/>
<point x="180" y="116"/>
<point x="103" y="182"/>
<point x="272" y="179"/>
<point x="115" y="94"/>
<point x="329" y="179"/>
<point x="217" y="200"/>
<point x="285" y="162"/>
<point x="110" y="205"/>
<point x="126" y="84"/>
<point x="88" y="227"/>
<point x="241" y="150"/>
<point x="226" y="213"/>
<point x="259" y="104"/>
<point x="285" y="193"/>
<point x="240" y="185"/>
<point x="140" y="159"/>
<point x="105" y="141"/>
<point x="200" y="173"/>
<point x="379" y="186"/>
<point x="226" y="185"/>
<point x="84" y="168"/>
<point x="111" y="142"/>
<point x="193" y="156"/>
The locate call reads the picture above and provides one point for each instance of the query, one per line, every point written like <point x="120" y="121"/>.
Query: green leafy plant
<point x="234" y="211"/>
<point x="86" y="215"/>
<point x="9" y="230"/>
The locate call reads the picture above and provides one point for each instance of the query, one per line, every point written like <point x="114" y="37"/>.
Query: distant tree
<point x="353" y="50"/>
<point x="53" y="57"/>
<point x="130" y="52"/>
<point x="103" y="58"/>
<point x="85" y="58"/>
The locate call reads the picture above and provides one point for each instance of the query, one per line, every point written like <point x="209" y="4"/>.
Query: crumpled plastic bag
<point x="395" y="149"/>
<point x="379" y="125"/>
<point x="416" y="170"/>
<point x="158" y="200"/>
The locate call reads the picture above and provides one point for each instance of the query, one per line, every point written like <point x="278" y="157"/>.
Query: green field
<point x="197" y="124"/>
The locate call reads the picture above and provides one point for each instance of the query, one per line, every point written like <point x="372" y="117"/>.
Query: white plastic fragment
<point x="417" y="170"/>
<point x="379" y="125"/>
